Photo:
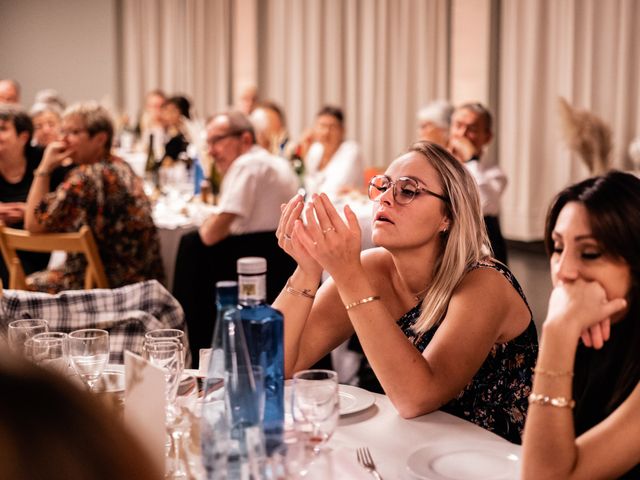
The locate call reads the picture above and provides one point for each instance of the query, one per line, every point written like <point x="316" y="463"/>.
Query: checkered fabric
<point x="127" y="313"/>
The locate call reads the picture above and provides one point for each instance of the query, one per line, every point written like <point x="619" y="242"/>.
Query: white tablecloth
<point x="391" y="439"/>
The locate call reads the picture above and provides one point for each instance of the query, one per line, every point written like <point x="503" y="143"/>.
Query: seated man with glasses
<point x="442" y="324"/>
<point x="255" y="184"/>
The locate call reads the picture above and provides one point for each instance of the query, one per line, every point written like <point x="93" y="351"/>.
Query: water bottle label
<point x="252" y="287"/>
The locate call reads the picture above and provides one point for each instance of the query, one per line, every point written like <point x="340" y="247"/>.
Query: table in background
<point x="173" y="219"/>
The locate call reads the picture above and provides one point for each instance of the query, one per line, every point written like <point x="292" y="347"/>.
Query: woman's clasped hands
<point x="317" y="237"/>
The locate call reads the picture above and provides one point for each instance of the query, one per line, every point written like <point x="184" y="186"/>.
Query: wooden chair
<point x="12" y="239"/>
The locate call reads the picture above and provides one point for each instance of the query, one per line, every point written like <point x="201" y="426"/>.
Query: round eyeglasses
<point x="405" y="189"/>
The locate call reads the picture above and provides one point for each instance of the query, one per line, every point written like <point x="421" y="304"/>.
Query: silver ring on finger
<point x="328" y="229"/>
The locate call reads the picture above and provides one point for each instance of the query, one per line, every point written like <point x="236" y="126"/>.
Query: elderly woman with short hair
<point x="102" y="192"/>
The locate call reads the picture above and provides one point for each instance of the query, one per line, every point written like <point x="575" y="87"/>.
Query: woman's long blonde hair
<point x="465" y="242"/>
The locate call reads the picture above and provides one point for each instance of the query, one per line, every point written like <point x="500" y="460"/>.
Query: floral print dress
<point x="108" y="197"/>
<point x="497" y="396"/>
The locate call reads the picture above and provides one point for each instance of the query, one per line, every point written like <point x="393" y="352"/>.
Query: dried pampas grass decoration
<point x="587" y="136"/>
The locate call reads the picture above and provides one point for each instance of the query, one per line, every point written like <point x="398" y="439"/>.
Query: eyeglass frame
<point x="392" y="184"/>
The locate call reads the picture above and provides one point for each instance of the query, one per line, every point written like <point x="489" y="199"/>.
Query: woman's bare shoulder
<point x="375" y="259"/>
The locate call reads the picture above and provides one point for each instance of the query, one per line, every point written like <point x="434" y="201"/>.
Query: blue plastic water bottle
<point x="263" y="326"/>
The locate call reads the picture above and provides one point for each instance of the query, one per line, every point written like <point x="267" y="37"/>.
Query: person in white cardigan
<point x="332" y="164"/>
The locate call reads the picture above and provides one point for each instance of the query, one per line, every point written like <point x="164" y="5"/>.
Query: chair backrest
<point x="12" y="239"/>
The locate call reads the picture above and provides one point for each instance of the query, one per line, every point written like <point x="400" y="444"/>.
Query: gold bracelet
<point x="553" y="373"/>
<point x="305" y="292"/>
<point x="38" y="172"/>
<point x="546" y="400"/>
<point x="362" y="301"/>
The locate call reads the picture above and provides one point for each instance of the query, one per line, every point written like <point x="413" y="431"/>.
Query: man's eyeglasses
<point x="211" y="141"/>
<point x="405" y="189"/>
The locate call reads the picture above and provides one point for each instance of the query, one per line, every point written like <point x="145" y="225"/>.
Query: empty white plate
<point x="354" y="399"/>
<point x="465" y="461"/>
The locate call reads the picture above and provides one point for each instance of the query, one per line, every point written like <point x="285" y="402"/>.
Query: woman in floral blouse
<point x="102" y="192"/>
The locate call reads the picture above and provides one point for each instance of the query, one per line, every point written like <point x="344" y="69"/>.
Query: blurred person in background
<point x="9" y="91"/>
<point x="51" y="429"/>
<point x="50" y="96"/>
<point x="18" y="160"/>
<point x="100" y="191"/>
<point x="255" y="182"/>
<point x="247" y="98"/>
<point x="471" y="131"/>
<point x="584" y="419"/>
<point x="434" y="122"/>
<point x="271" y="127"/>
<point x="150" y="122"/>
<point x="176" y="112"/>
<point x="332" y="165"/>
<point x="47" y="118"/>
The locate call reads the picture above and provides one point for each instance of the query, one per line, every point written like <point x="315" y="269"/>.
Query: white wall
<point x="67" y="45"/>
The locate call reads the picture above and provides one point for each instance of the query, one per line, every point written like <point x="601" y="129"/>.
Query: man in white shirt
<point x="254" y="186"/>
<point x="471" y="131"/>
<point x="255" y="182"/>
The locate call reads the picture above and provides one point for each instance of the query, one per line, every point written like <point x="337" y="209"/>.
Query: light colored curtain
<point x="180" y="46"/>
<point x="380" y="60"/>
<point x="587" y="51"/>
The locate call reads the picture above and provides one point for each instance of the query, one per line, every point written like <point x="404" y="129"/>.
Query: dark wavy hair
<point x="19" y="117"/>
<point x="605" y="378"/>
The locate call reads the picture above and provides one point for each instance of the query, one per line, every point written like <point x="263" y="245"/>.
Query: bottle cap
<point x="252" y="265"/>
<point x="226" y="284"/>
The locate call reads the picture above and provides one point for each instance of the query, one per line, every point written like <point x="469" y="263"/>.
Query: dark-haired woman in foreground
<point x="584" y="412"/>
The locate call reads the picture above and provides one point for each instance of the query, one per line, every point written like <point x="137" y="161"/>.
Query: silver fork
<point x="366" y="460"/>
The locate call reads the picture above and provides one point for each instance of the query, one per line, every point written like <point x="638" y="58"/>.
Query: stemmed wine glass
<point x="315" y="405"/>
<point x="89" y="354"/>
<point x="168" y="354"/>
<point x="19" y="331"/>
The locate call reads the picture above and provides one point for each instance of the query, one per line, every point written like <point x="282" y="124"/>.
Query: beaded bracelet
<point x="553" y="373"/>
<point x="305" y="292"/>
<point x="362" y="301"/>
<point x="546" y="400"/>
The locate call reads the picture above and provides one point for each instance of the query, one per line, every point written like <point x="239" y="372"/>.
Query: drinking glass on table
<point x="315" y="405"/>
<point x="164" y="334"/>
<point x="19" y="331"/>
<point x="51" y="350"/>
<point x="168" y="354"/>
<point x="89" y="354"/>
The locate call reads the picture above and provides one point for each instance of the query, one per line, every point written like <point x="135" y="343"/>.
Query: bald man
<point x="9" y="91"/>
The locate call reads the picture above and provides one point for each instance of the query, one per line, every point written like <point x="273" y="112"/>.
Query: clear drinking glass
<point x="51" y="350"/>
<point x="164" y="334"/>
<point x="168" y="354"/>
<point x="89" y="354"/>
<point x="19" y="331"/>
<point x="315" y="405"/>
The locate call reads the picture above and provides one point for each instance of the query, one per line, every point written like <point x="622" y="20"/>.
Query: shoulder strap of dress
<point x="506" y="273"/>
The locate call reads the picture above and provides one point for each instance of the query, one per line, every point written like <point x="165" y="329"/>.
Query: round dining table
<point x="436" y="446"/>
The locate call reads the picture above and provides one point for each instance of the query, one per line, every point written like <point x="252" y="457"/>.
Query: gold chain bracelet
<point x="546" y="400"/>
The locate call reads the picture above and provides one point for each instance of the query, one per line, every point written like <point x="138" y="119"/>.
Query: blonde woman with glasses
<point x="472" y="342"/>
